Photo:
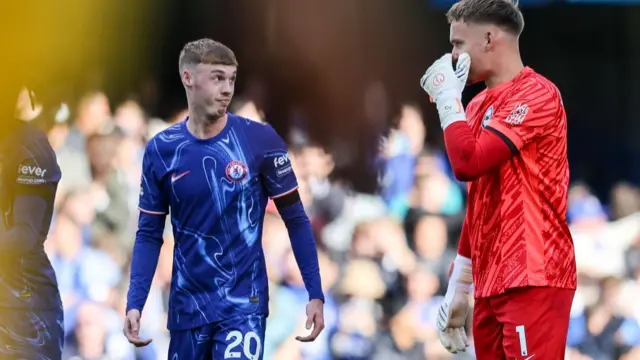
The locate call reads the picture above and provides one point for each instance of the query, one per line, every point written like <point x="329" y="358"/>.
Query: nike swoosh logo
<point x="176" y="177"/>
<point x="530" y="357"/>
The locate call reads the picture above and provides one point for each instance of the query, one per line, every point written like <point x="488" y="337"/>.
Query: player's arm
<point x="514" y="125"/>
<point x="282" y="187"/>
<point x="471" y="157"/>
<point x="153" y="208"/>
<point x="460" y="270"/>
<point x="35" y="188"/>
<point x="453" y="310"/>
<point x="464" y="246"/>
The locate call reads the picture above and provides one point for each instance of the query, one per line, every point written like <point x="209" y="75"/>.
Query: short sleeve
<point x="153" y="199"/>
<point x="37" y="171"/>
<point x="527" y="113"/>
<point x="276" y="169"/>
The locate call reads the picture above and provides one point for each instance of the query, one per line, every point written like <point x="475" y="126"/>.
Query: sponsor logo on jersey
<point x="487" y="116"/>
<point x="518" y="114"/>
<point x="282" y="164"/>
<point x="31" y="174"/>
<point x="281" y="160"/>
<point x="236" y="171"/>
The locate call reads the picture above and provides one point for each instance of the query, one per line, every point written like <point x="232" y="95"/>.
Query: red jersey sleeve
<point x="464" y="246"/>
<point x="533" y="109"/>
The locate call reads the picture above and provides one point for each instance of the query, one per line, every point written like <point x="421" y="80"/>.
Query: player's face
<point x="470" y="38"/>
<point x="212" y="88"/>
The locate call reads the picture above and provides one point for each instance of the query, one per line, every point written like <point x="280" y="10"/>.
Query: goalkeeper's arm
<point x="452" y="314"/>
<point x="472" y="157"/>
<point x="461" y="278"/>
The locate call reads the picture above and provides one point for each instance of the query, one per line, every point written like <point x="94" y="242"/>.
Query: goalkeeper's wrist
<point x="461" y="278"/>
<point x="450" y="109"/>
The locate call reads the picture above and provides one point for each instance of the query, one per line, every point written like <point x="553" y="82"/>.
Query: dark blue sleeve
<point x="153" y="200"/>
<point x="34" y="192"/>
<point x="276" y="170"/>
<point x="281" y="184"/>
<point x="146" y="249"/>
<point x="28" y="214"/>
<point x="302" y="243"/>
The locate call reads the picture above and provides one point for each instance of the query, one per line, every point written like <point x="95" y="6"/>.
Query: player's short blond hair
<point x="503" y="13"/>
<point x="206" y="51"/>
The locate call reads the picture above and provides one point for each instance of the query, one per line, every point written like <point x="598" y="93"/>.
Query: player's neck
<point x="507" y="69"/>
<point x="203" y="127"/>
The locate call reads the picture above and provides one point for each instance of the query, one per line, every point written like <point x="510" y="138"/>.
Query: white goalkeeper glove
<point x="444" y="84"/>
<point x="452" y="314"/>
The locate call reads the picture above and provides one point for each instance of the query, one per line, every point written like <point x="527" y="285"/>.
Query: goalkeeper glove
<point x="453" y="311"/>
<point x="444" y="84"/>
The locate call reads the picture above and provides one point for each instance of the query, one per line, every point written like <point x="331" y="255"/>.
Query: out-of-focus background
<point x="339" y="81"/>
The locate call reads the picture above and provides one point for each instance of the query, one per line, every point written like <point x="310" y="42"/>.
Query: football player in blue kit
<point x="31" y="317"/>
<point x="214" y="173"/>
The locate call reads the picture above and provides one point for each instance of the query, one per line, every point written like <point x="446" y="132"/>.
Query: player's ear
<point x="187" y="78"/>
<point x="489" y="38"/>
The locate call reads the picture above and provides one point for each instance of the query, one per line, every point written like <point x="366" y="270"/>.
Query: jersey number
<point x="523" y="340"/>
<point x="236" y="339"/>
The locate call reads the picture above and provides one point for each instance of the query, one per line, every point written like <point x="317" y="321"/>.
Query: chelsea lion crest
<point x="487" y="116"/>
<point x="236" y="171"/>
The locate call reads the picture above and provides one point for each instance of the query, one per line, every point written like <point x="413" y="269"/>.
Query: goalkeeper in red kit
<point x="510" y="145"/>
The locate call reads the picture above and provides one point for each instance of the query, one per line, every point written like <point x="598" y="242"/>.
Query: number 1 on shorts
<point x="523" y="340"/>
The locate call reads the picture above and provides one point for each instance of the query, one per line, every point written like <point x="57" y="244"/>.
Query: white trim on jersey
<point x="284" y="193"/>
<point x="151" y="212"/>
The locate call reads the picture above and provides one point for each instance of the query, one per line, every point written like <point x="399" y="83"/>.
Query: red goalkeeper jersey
<point x="516" y="216"/>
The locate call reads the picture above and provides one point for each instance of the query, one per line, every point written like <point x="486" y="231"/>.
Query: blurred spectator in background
<point x="584" y="208"/>
<point x="399" y="153"/>
<point x="92" y="116"/>
<point x="604" y="330"/>
<point x="247" y="109"/>
<point x="625" y="200"/>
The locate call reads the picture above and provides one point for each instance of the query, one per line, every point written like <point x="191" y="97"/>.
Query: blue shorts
<point x="240" y="338"/>
<point x="29" y="334"/>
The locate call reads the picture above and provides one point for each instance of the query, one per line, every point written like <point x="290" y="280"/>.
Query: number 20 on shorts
<point x="235" y="338"/>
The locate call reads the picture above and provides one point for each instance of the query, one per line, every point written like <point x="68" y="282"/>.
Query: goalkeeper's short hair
<point x="503" y="13"/>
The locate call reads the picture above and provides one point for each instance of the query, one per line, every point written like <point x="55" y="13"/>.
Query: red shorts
<point x="524" y="323"/>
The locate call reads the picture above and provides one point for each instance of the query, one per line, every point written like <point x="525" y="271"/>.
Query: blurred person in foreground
<point x="511" y="146"/>
<point x="216" y="171"/>
<point x="31" y="318"/>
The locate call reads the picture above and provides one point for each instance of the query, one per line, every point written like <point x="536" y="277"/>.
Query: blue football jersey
<point x="28" y="171"/>
<point x="216" y="192"/>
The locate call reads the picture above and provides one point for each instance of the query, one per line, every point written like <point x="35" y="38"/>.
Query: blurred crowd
<point x="384" y="257"/>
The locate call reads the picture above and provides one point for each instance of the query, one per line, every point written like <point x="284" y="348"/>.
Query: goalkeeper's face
<point x="212" y="88"/>
<point x="470" y="38"/>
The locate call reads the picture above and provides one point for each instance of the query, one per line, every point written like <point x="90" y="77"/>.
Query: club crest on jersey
<point x="487" y="116"/>
<point x="236" y="171"/>
<point x="518" y="114"/>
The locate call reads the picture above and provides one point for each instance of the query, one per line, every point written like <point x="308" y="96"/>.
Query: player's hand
<point x="451" y="321"/>
<point x="442" y="79"/>
<point x="444" y="84"/>
<point x="132" y="329"/>
<point x="315" y="320"/>
<point x="452" y="314"/>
